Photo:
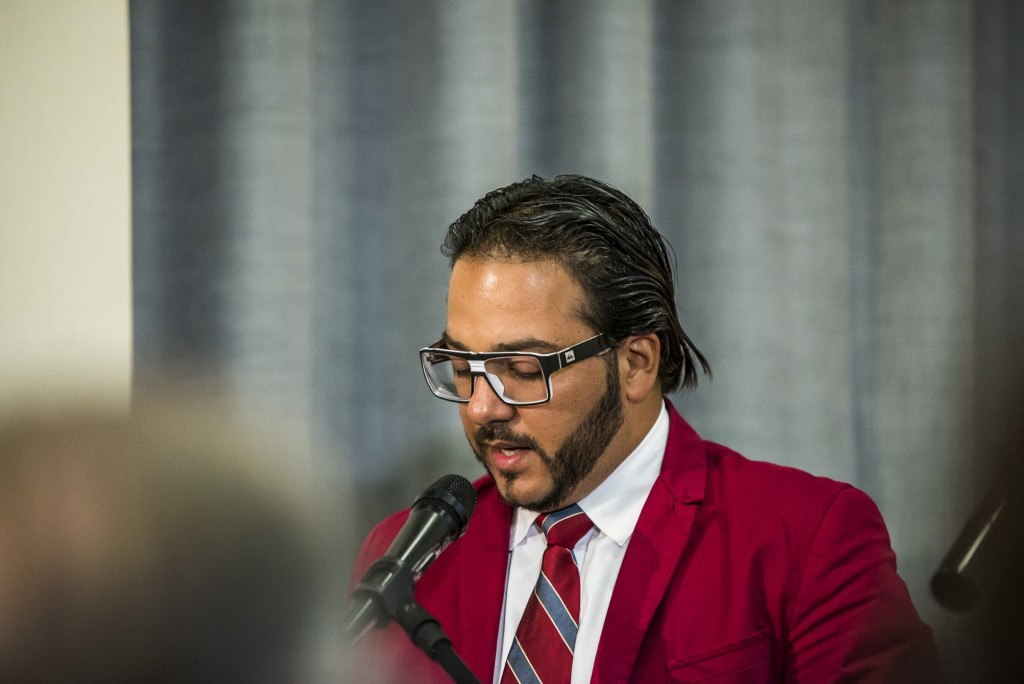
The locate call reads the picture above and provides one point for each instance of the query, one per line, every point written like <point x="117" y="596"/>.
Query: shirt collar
<point x="615" y="505"/>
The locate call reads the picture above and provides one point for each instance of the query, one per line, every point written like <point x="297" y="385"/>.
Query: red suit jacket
<point x="738" y="571"/>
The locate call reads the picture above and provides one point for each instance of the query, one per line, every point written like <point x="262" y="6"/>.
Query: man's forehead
<point x="502" y="305"/>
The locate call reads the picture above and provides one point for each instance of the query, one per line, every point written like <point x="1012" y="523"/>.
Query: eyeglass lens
<point x="516" y="379"/>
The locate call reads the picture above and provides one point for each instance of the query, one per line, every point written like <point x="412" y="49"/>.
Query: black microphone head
<point x="438" y="517"/>
<point x="954" y="590"/>
<point x="454" y="494"/>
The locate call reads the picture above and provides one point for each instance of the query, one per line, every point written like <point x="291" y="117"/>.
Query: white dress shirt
<point x="614" y="507"/>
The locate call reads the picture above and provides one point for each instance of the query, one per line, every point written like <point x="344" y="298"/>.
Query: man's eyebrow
<point x="528" y="344"/>
<point x="532" y="344"/>
<point x="450" y="343"/>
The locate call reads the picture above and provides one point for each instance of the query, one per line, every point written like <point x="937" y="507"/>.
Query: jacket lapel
<point x="654" y="551"/>
<point x="483" y="566"/>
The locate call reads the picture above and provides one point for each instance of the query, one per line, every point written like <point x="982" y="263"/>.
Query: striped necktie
<point x="546" y="637"/>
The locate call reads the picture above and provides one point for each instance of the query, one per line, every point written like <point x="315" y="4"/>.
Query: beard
<point x="574" y="459"/>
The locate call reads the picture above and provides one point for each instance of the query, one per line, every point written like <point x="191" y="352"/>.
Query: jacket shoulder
<point x="762" y="481"/>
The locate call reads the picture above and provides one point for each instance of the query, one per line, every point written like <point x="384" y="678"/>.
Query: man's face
<point x="547" y="456"/>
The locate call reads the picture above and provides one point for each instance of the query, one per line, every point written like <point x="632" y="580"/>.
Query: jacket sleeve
<point x="373" y="547"/>
<point x="853" y="620"/>
<point x="386" y="656"/>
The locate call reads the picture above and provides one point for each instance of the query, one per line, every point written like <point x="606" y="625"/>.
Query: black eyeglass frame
<point x="549" y="364"/>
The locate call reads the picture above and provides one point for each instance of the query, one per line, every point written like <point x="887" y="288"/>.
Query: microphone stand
<point x="426" y="632"/>
<point x="393" y="599"/>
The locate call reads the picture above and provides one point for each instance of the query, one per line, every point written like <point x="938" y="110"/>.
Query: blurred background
<point x="256" y="191"/>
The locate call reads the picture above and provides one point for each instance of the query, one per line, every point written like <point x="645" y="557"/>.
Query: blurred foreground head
<point x="161" y="547"/>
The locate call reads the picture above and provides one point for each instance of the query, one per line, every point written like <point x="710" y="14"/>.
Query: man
<point x="562" y="340"/>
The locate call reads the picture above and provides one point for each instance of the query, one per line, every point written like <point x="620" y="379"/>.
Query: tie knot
<point x="565" y="527"/>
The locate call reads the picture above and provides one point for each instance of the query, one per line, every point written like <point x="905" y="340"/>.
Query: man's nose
<point x="485" y="406"/>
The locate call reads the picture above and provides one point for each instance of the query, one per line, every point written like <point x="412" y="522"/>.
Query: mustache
<point x="502" y="433"/>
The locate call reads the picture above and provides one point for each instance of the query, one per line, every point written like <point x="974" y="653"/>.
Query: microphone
<point x="438" y="517"/>
<point x="985" y="555"/>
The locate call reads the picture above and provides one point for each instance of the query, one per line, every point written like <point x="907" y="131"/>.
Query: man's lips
<point x="506" y="456"/>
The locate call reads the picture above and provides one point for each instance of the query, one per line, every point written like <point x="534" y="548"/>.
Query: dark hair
<point x="605" y="241"/>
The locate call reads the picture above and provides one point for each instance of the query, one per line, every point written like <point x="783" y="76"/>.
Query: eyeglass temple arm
<point x="582" y="351"/>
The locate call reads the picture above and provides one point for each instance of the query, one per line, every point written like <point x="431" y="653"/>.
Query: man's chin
<point x="516" y="490"/>
<point x="522" y="487"/>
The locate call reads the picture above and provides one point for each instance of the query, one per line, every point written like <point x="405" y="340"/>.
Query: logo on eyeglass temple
<point x="570" y="356"/>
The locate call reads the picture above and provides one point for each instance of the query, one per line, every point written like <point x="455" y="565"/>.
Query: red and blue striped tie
<point x="546" y="637"/>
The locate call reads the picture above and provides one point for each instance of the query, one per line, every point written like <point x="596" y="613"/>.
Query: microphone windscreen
<point x="454" y="494"/>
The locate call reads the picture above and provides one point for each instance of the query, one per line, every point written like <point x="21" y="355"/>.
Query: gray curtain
<point x="841" y="181"/>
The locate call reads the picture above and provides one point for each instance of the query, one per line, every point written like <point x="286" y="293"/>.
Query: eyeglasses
<point x="518" y="378"/>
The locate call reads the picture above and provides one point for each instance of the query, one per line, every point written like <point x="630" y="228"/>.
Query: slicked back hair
<point x="605" y="241"/>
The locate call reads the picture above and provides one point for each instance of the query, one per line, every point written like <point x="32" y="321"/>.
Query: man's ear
<point x="639" y="362"/>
